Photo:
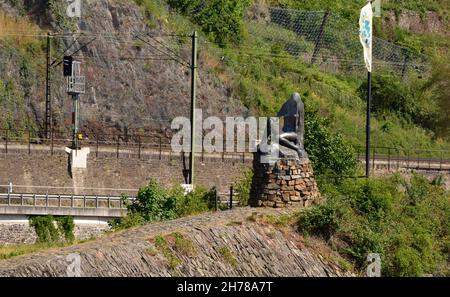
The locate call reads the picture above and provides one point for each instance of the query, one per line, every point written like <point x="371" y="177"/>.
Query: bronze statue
<point x="290" y="140"/>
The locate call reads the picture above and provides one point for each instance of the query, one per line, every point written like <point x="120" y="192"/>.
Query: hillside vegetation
<point x="408" y="113"/>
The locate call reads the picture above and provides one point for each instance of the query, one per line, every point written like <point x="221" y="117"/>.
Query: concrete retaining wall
<point x="109" y="172"/>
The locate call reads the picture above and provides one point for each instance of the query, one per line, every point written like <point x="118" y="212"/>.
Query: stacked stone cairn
<point x="284" y="183"/>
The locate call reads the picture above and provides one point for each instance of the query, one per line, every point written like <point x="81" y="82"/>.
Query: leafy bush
<point x="66" y="227"/>
<point x="221" y="19"/>
<point x="329" y="153"/>
<point x="198" y="201"/>
<point x="50" y="230"/>
<point x="409" y="101"/>
<point x="321" y="219"/>
<point x="155" y="203"/>
<point x="45" y="228"/>
<point x="406" y="222"/>
<point x="243" y="186"/>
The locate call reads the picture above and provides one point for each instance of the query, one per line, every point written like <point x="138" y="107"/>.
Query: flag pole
<point x="367" y="33"/>
<point x="369" y="101"/>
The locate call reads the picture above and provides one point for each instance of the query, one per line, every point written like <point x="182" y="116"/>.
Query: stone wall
<point x="16" y="233"/>
<point x="17" y="230"/>
<point x="108" y="172"/>
<point x="229" y="243"/>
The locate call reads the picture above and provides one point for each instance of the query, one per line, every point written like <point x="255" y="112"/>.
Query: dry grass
<point x="19" y="30"/>
<point x="11" y="251"/>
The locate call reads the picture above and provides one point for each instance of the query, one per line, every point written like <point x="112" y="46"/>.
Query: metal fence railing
<point x="107" y="145"/>
<point x="157" y="147"/>
<point x="62" y="201"/>
<point x="395" y="158"/>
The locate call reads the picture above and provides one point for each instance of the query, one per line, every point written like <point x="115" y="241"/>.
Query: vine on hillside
<point x="51" y="230"/>
<point x="66" y="227"/>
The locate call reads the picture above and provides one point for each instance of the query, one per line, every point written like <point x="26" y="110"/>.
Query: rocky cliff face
<point x="229" y="243"/>
<point x="130" y="84"/>
<point x="428" y="22"/>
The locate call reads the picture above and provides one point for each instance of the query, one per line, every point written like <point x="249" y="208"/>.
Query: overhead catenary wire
<point x="53" y="34"/>
<point x="166" y="47"/>
<point x="163" y="52"/>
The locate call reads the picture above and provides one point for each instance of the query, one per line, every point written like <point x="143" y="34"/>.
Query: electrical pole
<point x="48" y="101"/>
<point x="193" y="104"/>
<point x="75" y="121"/>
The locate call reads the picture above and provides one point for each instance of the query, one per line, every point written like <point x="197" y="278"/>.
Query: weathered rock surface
<point x="129" y="84"/>
<point x="429" y="22"/>
<point x="253" y="249"/>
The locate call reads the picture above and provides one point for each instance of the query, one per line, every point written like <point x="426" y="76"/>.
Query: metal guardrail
<point x="153" y="146"/>
<point x="226" y="198"/>
<point x="396" y="158"/>
<point x="62" y="201"/>
<point x="111" y="145"/>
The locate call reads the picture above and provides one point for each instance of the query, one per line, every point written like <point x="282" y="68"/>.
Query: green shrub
<point x="221" y="19"/>
<point x="155" y="203"/>
<point x="407" y="100"/>
<point x="66" y="227"/>
<point x="406" y="222"/>
<point x="329" y="152"/>
<point x="243" y="186"/>
<point x="197" y="201"/>
<point x="49" y="230"/>
<point x="132" y="219"/>
<point x="321" y="219"/>
<point x="45" y="229"/>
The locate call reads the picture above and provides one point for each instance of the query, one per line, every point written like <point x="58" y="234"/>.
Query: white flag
<point x="365" y="34"/>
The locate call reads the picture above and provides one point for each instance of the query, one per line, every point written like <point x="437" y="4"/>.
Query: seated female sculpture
<point x="290" y="140"/>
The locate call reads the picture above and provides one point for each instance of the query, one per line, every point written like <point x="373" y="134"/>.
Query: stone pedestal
<point x="283" y="183"/>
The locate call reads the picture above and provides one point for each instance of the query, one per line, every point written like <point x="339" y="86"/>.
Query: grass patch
<point x="183" y="245"/>
<point x="228" y="255"/>
<point x="253" y="217"/>
<point x="171" y="245"/>
<point x="282" y="220"/>
<point x="10" y="251"/>
<point x="161" y="244"/>
<point x="151" y="251"/>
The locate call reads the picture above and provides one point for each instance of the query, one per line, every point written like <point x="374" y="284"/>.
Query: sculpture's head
<point x="296" y="97"/>
<point x="291" y="107"/>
